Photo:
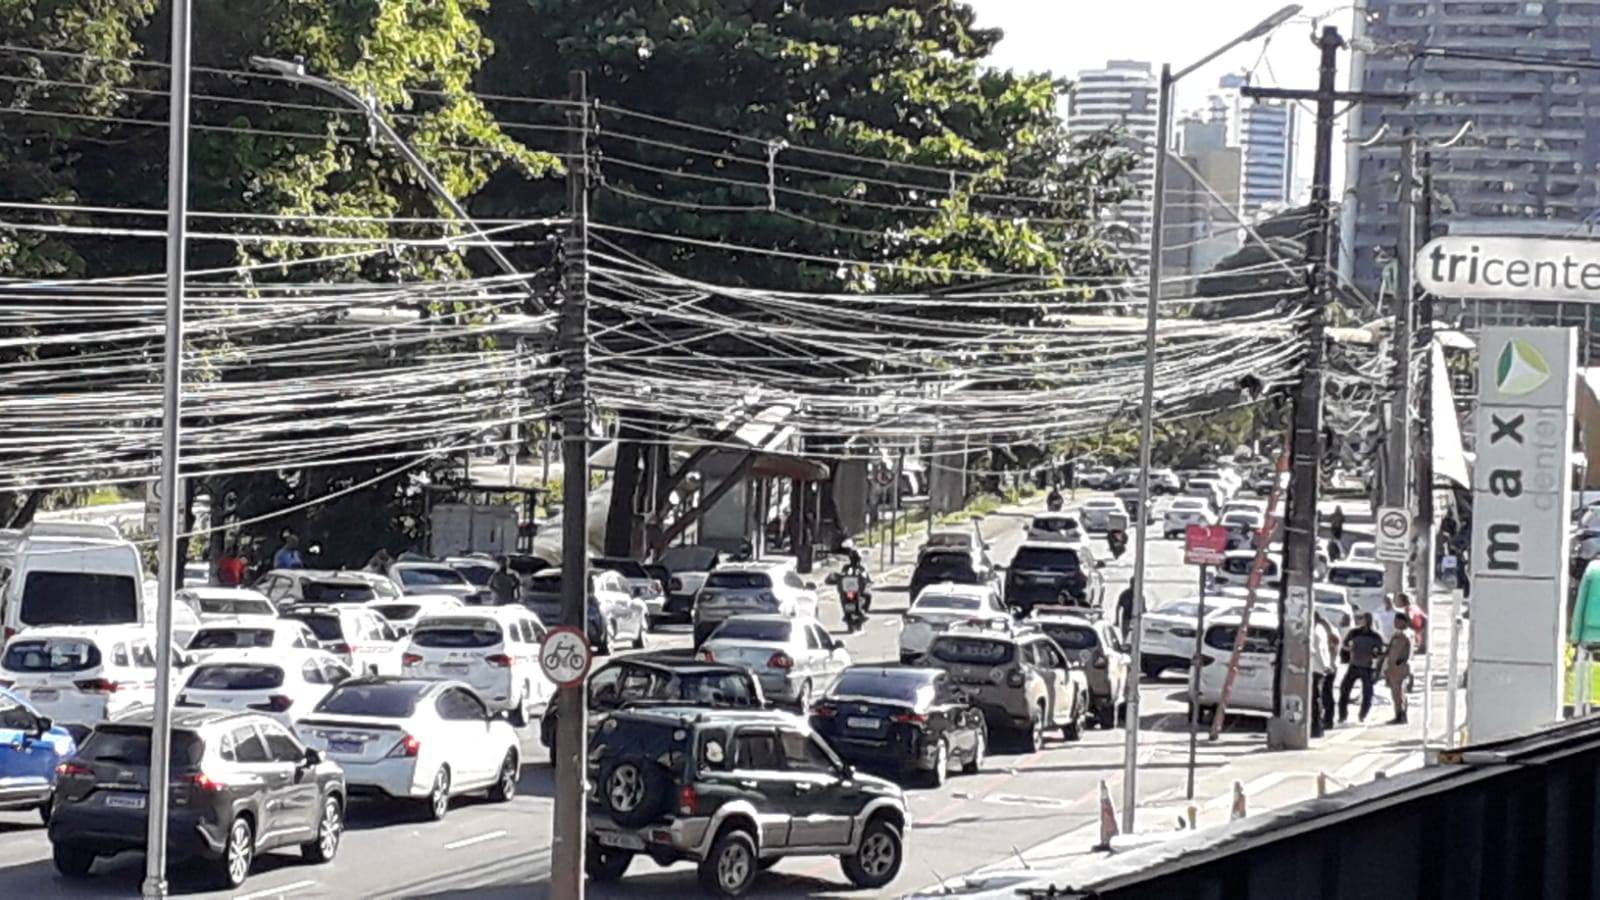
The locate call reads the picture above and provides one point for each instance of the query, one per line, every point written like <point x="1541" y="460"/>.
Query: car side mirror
<point x="42" y="725"/>
<point x="847" y="771"/>
<point x="313" y="757"/>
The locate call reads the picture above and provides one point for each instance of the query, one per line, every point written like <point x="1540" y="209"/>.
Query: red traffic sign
<point x="564" y="656"/>
<point x="1205" y="545"/>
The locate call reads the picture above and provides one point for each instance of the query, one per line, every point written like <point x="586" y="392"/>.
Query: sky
<point x="1065" y="36"/>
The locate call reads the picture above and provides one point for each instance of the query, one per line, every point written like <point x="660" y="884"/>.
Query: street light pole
<point x="155" y="860"/>
<point x="1130" y="758"/>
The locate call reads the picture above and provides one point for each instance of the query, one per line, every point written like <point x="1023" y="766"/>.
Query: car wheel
<point x="519" y="713"/>
<point x="505" y="786"/>
<point x="1106" y="714"/>
<point x="438" y="802"/>
<point x="44" y="812"/>
<point x="635" y="790"/>
<point x="1151" y="670"/>
<point x="1035" y="735"/>
<point x="980" y="749"/>
<point x="72" y="861"/>
<point x="606" y="863"/>
<point x="638" y="638"/>
<point x="1073" y="730"/>
<point x="802" y="697"/>
<point x="330" y="828"/>
<point x="237" y="854"/>
<point x="941" y="765"/>
<point x="730" y="868"/>
<point x="878" y="857"/>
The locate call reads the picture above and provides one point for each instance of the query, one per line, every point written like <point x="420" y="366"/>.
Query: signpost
<point x="1393" y="534"/>
<point x="564" y="656"/>
<point x="1521" y="508"/>
<point x="1203" y="545"/>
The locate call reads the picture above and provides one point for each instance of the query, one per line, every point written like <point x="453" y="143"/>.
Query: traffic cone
<point x="1108" y="819"/>
<point x="1238" y="802"/>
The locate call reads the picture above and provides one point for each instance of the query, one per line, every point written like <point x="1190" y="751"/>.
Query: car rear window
<point x="384" y="701"/>
<point x="666" y="742"/>
<point x="430" y="576"/>
<point x="397" y="611"/>
<point x="51" y="655"/>
<point x="478" y="576"/>
<point x="1260" y="640"/>
<point x="934" y="601"/>
<point x="1361" y="578"/>
<point x="326" y="626"/>
<point x="1038" y="559"/>
<point x="129" y="745"/>
<point x="627" y="568"/>
<point x="457" y="634"/>
<point x="336" y="592"/>
<point x="236" y="677"/>
<point x="545" y="584"/>
<point x="1055" y="526"/>
<point x="236" y="606"/>
<point x="78" y="598"/>
<point x="912" y="688"/>
<point x="739" y="580"/>
<point x="973" y="650"/>
<point x="938" y="565"/>
<point x="735" y="630"/>
<point x="230" y="638"/>
<point x="1073" y="637"/>
<point x="726" y="688"/>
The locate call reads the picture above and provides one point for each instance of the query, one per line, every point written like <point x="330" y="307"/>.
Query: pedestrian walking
<point x="380" y="561"/>
<point x="505" y="584"/>
<point x="1362" y="652"/>
<point x="1336" y="527"/>
<point x="1125" y="608"/>
<point x="1397" y="667"/>
<point x="231" y="567"/>
<point x="288" y="556"/>
<point x="1323" y="643"/>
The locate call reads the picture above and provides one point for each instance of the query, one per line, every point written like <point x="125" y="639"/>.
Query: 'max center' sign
<point x="1521" y="506"/>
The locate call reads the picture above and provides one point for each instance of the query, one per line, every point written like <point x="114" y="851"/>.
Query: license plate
<point x="45" y="694"/>
<point x="344" y="746"/>
<point x="863" y="722"/>
<point x="454" y="668"/>
<point x="625" y="841"/>
<point x="120" y="801"/>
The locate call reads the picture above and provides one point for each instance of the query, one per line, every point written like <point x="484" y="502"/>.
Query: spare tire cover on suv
<point x="635" y="790"/>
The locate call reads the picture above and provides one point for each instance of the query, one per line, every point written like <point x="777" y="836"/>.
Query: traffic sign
<point x="1394" y="534"/>
<point x="564" y="656"/>
<point x="1205" y="545"/>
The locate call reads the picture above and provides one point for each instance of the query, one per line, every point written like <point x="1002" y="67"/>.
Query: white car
<point x="1093" y="476"/>
<point x="79" y="675"/>
<point x="1186" y="511"/>
<point x="1253" y="685"/>
<point x="943" y="605"/>
<point x="638" y="582"/>
<point x="1363" y="551"/>
<point x="770" y="587"/>
<point x="1333" y="602"/>
<point x="361" y="638"/>
<point x="625" y="612"/>
<point x="1096" y="513"/>
<point x="415" y="739"/>
<point x="284" y="684"/>
<point x="1244" y="504"/>
<point x="1168" y="630"/>
<point x="433" y="578"/>
<point x="1236" y="565"/>
<point x="794" y="658"/>
<point x="493" y="649"/>
<point x="286" y="587"/>
<point x="1055" y="526"/>
<point x="225" y="637"/>
<point x="403" y="614"/>
<point x="227" y="604"/>
<point x="1362" y="582"/>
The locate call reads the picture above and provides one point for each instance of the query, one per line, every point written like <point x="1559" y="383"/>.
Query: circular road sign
<point x="564" y="655"/>
<point x="1393" y="524"/>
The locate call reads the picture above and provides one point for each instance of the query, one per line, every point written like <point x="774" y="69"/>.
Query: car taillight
<point x="411" y="659"/>
<point x="274" y="703"/>
<point x="498" y="659"/>
<point x="1015" y="678"/>
<point x="909" y="718"/>
<point x="70" y="768"/>
<point x="341" y="649"/>
<point x="10" y="632"/>
<point x="204" y="782"/>
<point x="408" y="746"/>
<point x="687" y="800"/>
<point x="707" y="655"/>
<point x="780" y="660"/>
<point x="97" y="686"/>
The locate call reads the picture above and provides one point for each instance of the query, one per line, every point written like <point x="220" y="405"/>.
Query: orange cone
<point x="1108" y="819"/>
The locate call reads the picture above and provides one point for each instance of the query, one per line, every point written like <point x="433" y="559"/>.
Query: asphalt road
<point x="495" y="850"/>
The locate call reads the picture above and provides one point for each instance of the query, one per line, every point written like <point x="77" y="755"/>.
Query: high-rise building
<point x="1528" y="165"/>
<point x="1265" y="133"/>
<point x="1125" y="94"/>
<point x="1201" y="220"/>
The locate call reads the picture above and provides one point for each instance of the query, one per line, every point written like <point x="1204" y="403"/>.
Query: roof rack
<point x="97" y="530"/>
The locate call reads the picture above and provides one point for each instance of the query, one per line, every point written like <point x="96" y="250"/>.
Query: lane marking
<point x="476" y="839"/>
<point x="280" y="891"/>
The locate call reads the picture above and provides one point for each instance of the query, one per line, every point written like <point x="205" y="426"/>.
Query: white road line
<point x="477" y="839"/>
<point x="280" y="891"/>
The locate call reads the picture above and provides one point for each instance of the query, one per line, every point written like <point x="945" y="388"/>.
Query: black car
<point x="903" y="720"/>
<point x="953" y="564"/>
<point x="1043" y="572"/>
<point x="722" y="788"/>
<point x="242" y="784"/>
<point x="659" y="680"/>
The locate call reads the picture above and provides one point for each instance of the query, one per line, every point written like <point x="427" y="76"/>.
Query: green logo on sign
<point x="1521" y="368"/>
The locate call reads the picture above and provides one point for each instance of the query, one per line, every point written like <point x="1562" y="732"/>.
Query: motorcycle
<point x="853" y="600"/>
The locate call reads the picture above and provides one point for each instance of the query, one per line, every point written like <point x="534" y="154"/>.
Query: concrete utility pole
<point x="1398" y="450"/>
<point x="1290" y="728"/>
<point x="572" y="703"/>
<point x="167" y="574"/>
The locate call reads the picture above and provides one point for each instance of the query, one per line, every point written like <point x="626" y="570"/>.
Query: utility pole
<point x="1290" y="728"/>
<point x="1398" y="450"/>
<point x="572" y="738"/>
<point x="168" y="577"/>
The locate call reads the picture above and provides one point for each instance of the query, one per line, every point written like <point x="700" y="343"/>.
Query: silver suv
<point x="773" y="588"/>
<point x="1022" y="681"/>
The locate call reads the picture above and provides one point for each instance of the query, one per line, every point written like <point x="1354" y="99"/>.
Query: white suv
<point x="493" y="649"/>
<point x="284" y="684"/>
<point x="772" y="587"/>
<point x="943" y="605"/>
<point x="80" y="676"/>
<point x="1186" y="511"/>
<point x="362" y="639"/>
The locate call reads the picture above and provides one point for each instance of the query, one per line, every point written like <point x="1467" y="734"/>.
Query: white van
<point x="70" y="573"/>
<point x="1252" y="687"/>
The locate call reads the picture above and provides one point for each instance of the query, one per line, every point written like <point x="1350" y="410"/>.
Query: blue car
<point x="31" y="747"/>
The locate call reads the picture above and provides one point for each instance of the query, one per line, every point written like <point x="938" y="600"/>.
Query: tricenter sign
<point x="1521" y="507"/>
<point x="1205" y="545"/>
<point x="1509" y="268"/>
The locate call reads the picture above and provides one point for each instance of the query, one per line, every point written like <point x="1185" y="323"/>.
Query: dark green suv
<point x="242" y="784"/>
<point x="735" y="791"/>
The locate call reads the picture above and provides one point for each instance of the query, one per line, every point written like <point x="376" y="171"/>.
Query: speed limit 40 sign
<point x="564" y="656"/>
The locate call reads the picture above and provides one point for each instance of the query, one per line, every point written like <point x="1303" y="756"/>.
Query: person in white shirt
<point x="1324" y="658"/>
